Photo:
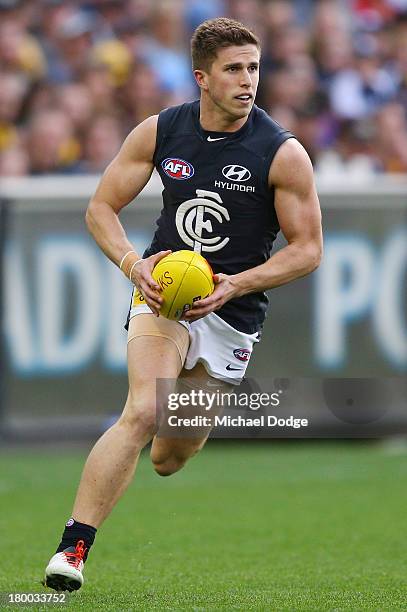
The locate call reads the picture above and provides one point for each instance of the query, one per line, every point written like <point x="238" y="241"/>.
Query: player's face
<point x="231" y="84"/>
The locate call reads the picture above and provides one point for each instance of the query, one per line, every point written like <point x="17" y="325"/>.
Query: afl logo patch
<point x="242" y="354"/>
<point x="177" y="169"/>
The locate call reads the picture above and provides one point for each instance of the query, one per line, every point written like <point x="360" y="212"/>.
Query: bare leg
<point x="111" y="464"/>
<point x="169" y="454"/>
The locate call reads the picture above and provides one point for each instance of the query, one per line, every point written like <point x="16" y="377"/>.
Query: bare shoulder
<point x="130" y="170"/>
<point x="140" y="143"/>
<point x="291" y="167"/>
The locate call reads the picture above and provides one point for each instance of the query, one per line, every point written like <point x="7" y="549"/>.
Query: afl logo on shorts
<point x="178" y="169"/>
<point x="242" y="354"/>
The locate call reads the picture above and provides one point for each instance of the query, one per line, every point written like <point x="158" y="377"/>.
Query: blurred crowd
<point x="76" y="76"/>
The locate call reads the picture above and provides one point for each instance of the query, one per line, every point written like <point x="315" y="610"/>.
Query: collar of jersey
<point x="228" y="136"/>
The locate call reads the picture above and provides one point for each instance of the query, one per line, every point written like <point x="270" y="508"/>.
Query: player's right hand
<point x="143" y="280"/>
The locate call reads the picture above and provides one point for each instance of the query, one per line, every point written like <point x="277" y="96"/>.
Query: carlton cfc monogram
<point x="190" y="221"/>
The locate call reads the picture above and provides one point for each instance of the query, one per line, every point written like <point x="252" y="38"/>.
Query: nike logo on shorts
<point x="209" y="139"/>
<point x="229" y="367"/>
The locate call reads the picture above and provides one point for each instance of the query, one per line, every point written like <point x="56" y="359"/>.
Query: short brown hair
<point x="215" y="34"/>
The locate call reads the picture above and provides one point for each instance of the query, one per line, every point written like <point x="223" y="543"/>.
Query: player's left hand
<point x="225" y="290"/>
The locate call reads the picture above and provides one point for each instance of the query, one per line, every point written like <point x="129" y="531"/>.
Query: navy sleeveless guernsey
<point x="216" y="198"/>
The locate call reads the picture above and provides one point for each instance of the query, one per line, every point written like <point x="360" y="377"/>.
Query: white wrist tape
<point x="132" y="268"/>
<point x="124" y="257"/>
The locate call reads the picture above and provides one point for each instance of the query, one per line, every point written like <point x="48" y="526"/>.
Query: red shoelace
<point x="74" y="558"/>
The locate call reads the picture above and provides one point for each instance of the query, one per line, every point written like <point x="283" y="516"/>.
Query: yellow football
<point x="185" y="277"/>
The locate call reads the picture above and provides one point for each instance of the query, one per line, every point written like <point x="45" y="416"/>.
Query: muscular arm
<point x="121" y="182"/>
<point x="297" y="207"/>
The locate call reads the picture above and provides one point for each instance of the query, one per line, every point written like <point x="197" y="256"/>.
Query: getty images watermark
<point x="289" y="407"/>
<point x="210" y="401"/>
<point x="196" y="411"/>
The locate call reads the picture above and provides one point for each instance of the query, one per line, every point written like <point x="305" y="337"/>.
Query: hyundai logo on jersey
<point x="236" y="173"/>
<point x="242" y="354"/>
<point x="178" y="169"/>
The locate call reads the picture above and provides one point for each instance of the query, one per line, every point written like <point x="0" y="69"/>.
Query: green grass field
<point x="255" y="526"/>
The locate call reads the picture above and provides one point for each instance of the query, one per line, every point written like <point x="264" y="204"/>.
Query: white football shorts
<point x="224" y="351"/>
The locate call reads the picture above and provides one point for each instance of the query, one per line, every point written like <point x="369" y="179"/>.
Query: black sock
<point x="75" y="531"/>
